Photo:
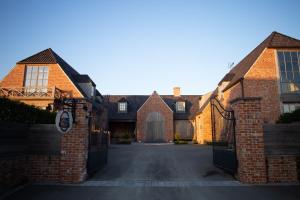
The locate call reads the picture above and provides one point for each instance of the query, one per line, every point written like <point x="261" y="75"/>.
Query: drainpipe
<point x="242" y="85"/>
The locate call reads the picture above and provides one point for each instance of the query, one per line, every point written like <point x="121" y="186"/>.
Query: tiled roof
<point x="83" y="78"/>
<point x="48" y="56"/>
<point x="275" y="40"/>
<point x="136" y="101"/>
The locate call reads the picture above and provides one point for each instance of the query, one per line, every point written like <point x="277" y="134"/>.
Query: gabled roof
<point x="136" y="101"/>
<point x="275" y="40"/>
<point x="83" y="78"/>
<point x="48" y="56"/>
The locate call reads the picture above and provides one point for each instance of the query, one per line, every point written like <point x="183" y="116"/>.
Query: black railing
<point x="223" y="137"/>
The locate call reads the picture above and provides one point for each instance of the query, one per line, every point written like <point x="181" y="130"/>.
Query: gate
<point x="223" y="137"/>
<point x="97" y="151"/>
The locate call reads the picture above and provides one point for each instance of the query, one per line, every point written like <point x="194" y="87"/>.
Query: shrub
<point x="14" y="111"/>
<point x="180" y="142"/>
<point x="177" y="137"/>
<point x="289" y="117"/>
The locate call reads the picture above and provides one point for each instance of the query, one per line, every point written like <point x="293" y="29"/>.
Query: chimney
<point x="176" y="91"/>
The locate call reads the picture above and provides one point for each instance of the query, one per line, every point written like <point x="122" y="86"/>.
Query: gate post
<point x="74" y="146"/>
<point x="249" y="140"/>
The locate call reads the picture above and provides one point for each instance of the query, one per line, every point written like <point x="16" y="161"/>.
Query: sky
<point x="138" y="46"/>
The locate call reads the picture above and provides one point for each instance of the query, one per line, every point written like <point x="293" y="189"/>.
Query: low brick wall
<point x="13" y="166"/>
<point x="282" y="149"/>
<point x="39" y="153"/>
<point x="282" y="169"/>
<point x="43" y="168"/>
<point x="13" y="172"/>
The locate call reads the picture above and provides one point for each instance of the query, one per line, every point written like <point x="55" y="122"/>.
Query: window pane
<point x="45" y="75"/>
<point x="32" y="82"/>
<point x="28" y="68"/>
<point x="289" y="75"/>
<point x="45" y="69"/>
<point x="286" y="108"/>
<point x="280" y="56"/>
<point x="45" y="82"/>
<point x="295" y="66"/>
<point x="34" y="69"/>
<point x="297" y="76"/>
<point x="41" y="69"/>
<point x="287" y="56"/>
<point x="289" y="66"/>
<point x="283" y="76"/>
<point x="40" y="83"/>
<point x="282" y="66"/>
<point x="27" y="83"/>
<point x="294" y="56"/>
<point x="284" y="87"/>
<point x="292" y="107"/>
<point x="41" y="74"/>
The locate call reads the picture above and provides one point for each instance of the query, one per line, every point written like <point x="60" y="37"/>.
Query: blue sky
<point x="135" y="47"/>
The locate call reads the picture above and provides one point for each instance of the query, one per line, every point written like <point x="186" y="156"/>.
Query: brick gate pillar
<point x="74" y="147"/>
<point x="249" y="140"/>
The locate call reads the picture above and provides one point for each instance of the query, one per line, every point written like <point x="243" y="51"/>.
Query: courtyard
<point x="158" y="171"/>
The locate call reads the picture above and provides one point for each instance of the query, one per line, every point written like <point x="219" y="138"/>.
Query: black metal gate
<point x="98" y="151"/>
<point x="223" y="137"/>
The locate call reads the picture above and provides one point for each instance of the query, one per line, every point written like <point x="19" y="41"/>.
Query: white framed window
<point x="36" y="76"/>
<point x="180" y="106"/>
<point x="122" y="107"/>
<point x="290" y="107"/>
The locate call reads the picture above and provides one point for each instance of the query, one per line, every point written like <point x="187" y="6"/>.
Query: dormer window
<point x="122" y="107"/>
<point x="180" y="106"/>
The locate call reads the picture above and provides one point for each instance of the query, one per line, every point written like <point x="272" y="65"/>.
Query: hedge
<point x="289" y="117"/>
<point x="15" y="111"/>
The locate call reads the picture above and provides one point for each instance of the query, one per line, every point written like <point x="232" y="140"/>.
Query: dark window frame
<point x="289" y="71"/>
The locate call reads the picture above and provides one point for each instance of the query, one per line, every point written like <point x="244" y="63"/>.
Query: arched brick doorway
<point x="155" y="127"/>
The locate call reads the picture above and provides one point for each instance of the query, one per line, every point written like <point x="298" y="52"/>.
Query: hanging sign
<point x="64" y="121"/>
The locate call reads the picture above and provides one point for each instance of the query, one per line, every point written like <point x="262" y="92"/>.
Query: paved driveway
<point x="167" y="172"/>
<point x="164" y="162"/>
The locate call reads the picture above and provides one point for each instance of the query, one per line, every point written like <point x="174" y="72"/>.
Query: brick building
<point x="270" y="71"/>
<point x="40" y="78"/>
<point x="154" y="118"/>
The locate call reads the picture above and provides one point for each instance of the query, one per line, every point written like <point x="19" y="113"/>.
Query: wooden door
<point x="155" y="125"/>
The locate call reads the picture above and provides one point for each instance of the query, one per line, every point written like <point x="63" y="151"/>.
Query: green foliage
<point x="126" y="136"/>
<point x="124" y="139"/>
<point x="289" y="117"/>
<point x="177" y="137"/>
<point x="180" y="142"/>
<point x="14" y="111"/>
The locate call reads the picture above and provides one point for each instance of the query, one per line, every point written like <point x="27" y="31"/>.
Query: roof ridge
<point x="272" y="37"/>
<point x="52" y="55"/>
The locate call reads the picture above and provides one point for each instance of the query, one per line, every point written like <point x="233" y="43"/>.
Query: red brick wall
<point x="282" y="169"/>
<point x="203" y="126"/>
<point x="74" y="148"/>
<point x="12" y="172"/>
<point x="43" y="168"/>
<point x="249" y="141"/>
<point x="261" y="80"/>
<point x="155" y="104"/>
